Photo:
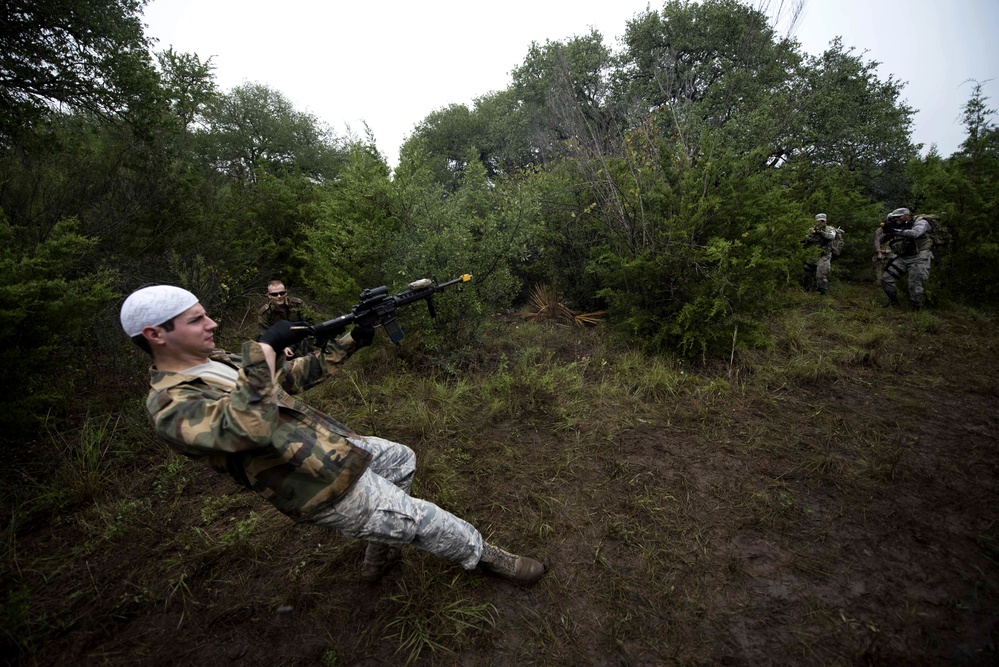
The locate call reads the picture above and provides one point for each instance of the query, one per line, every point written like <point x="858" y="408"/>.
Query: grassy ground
<point x="830" y="500"/>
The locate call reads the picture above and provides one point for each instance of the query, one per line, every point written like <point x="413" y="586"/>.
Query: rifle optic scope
<point x="373" y="292"/>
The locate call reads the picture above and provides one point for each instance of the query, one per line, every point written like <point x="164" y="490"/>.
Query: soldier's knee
<point x="396" y="525"/>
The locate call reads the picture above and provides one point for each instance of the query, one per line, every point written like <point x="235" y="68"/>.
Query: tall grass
<point x="82" y="459"/>
<point x="424" y="622"/>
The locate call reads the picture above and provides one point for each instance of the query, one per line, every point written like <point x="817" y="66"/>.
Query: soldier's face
<point x="277" y="294"/>
<point x="193" y="332"/>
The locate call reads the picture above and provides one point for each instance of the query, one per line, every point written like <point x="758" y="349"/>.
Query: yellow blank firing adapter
<point x="427" y="282"/>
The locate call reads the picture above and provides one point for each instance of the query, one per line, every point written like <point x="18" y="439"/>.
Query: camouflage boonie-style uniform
<point x="269" y="314"/>
<point x="293" y="455"/>
<point x="308" y="465"/>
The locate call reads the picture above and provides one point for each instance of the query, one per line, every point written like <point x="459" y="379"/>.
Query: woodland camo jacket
<point x="290" y="453"/>
<point x="269" y="314"/>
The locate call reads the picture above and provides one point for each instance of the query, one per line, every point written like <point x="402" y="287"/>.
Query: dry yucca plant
<point x="547" y="306"/>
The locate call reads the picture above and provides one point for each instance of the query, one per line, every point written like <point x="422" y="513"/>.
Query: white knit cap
<point x="821" y="216"/>
<point x="152" y="306"/>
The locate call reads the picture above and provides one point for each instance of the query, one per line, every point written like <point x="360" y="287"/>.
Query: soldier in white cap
<point x="236" y="414"/>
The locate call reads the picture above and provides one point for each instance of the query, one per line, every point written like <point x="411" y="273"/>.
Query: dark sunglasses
<point x="277" y="293"/>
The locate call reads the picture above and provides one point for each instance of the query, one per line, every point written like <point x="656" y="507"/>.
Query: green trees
<point x="255" y="127"/>
<point x="965" y="189"/>
<point x="687" y="168"/>
<point x="674" y="179"/>
<point x="716" y="60"/>
<point x="668" y="182"/>
<point x="137" y="177"/>
<point x="47" y="295"/>
<point x="87" y="56"/>
<point x="850" y="118"/>
<point x="355" y="223"/>
<point x="189" y="84"/>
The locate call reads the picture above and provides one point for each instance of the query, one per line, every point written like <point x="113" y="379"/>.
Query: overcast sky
<point x="389" y="63"/>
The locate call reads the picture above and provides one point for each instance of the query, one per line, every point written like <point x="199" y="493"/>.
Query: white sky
<point x="389" y="63"/>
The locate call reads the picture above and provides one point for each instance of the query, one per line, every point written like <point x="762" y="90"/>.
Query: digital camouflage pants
<point x="378" y="508"/>
<point x="817" y="273"/>
<point x="917" y="268"/>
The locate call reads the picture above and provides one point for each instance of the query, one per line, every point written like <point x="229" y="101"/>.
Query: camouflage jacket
<point x="290" y="453"/>
<point x="269" y="314"/>
<point x="822" y="237"/>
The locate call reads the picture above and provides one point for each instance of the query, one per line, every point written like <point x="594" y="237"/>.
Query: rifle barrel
<point x="332" y="327"/>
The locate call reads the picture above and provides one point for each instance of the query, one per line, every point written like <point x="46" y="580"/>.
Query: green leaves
<point x="354" y="230"/>
<point x="44" y="301"/>
<point x="255" y="127"/>
<point x="965" y="189"/>
<point x="89" y="56"/>
<point x="189" y="84"/>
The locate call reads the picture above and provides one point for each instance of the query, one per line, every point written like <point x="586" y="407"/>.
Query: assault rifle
<point x="378" y="307"/>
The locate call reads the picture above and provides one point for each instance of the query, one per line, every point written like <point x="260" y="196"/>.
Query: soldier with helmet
<point x="817" y="270"/>
<point x="910" y="241"/>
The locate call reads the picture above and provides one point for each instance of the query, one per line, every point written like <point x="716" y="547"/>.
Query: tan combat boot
<point x="518" y="569"/>
<point x="378" y="560"/>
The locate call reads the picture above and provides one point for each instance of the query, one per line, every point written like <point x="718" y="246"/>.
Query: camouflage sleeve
<point x="262" y="320"/>
<point x="244" y="419"/>
<point x="306" y="371"/>
<point x="919" y="227"/>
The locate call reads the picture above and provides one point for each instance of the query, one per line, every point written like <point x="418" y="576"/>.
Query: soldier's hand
<point x="362" y="334"/>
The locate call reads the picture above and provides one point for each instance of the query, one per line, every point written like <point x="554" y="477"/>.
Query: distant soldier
<point x="817" y="269"/>
<point x="911" y="242"/>
<point x="882" y="253"/>
<point x="280" y="306"/>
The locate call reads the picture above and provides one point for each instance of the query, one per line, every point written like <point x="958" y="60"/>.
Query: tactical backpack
<point x="840" y="241"/>
<point x="939" y="233"/>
